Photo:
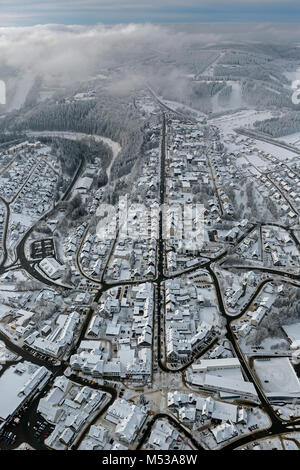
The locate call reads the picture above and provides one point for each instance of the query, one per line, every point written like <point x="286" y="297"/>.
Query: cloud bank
<point x="78" y="51"/>
<point x="63" y="54"/>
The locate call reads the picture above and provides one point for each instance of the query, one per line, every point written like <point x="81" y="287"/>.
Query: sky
<point x="90" y="12"/>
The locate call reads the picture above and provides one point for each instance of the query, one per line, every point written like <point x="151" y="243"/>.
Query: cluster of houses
<point x="147" y="184"/>
<point x="94" y="253"/>
<point x="219" y="177"/>
<point x="186" y="332"/>
<point x="273" y="246"/>
<point x="130" y="364"/>
<point x="234" y="233"/>
<point x="190" y="408"/>
<point x="254" y="316"/>
<point x="134" y="255"/>
<point x="184" y="237"/>
<point x="283" y="187"/>
<point x="198" y="173"/>
<point x="36" y="196"/>
<point x="13" y="178"/>
<point x="124" y="245"/>
<point x="70" y="244"/>
<point x="279" y="247"/>
<point x="225" y="420"/>
<point x="186" y="170"/>
<point x="26" y="157"/>
<point x="93" y="248"/>
<point x="251" y="247"/>
<point x="99" y="438"/>
<point x="164" y="436"/>
<point x="43" y="321"/>
<point x="240" y="290"/>
<point x="28" y="184"/>
<point x="126" y="419"/>
<point x="55" y="340"/>
<point x="124" y="319"/>
<point x="70" y="408"/>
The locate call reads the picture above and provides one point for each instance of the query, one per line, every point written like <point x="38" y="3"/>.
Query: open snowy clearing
<point x="247" y="117"/>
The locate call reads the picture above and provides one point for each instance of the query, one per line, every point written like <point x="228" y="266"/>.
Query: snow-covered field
<point x="280" y="153"/>
<point x="293" y="139"/>
<point x="235" y="101"/>
<point x="210" y="315"/>
<point x="243" y="118"/>
<point x="255" y="160"/>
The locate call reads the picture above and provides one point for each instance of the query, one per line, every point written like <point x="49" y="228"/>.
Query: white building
<point x="52" y="268"/>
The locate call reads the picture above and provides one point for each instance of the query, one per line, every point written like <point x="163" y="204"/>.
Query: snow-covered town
<point x="149" y="278"/>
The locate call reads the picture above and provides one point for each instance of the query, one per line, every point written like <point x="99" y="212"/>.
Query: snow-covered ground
<point x="235" y="101"/>
<point x="293" y="331"/>
<point x="181" y="106"/>
<point x="22" y="89"/>
<point x="293" y="75"/>
<point x="243" y="118"/>
<point x="279" y="152"/>
<point x="293" y="139"/>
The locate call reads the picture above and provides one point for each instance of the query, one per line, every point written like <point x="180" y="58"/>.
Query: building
<point x="128" y="419"/>
<point x="52" y="268"/>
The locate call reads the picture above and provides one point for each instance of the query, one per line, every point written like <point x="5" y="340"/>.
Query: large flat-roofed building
<point x="229" y="386"/>
<point x="215" y="383"/>
<point x="17" y="384"/>
<point x="214" y="364"/>
<point x="277" y="377"/>
<point x="52" y="268"/>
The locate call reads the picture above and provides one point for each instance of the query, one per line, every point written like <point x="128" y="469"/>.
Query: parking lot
<point x="41" y="249"/>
